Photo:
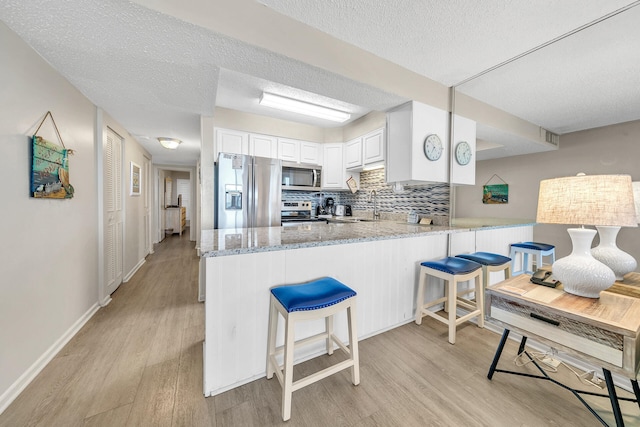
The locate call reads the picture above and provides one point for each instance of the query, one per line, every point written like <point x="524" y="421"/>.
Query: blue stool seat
<point x="313" y="295"/>
<point x="537" y="249"/>
<point x="486" y="258"/>
<point x="534" y="246"/>
<point x="452" y="265"/>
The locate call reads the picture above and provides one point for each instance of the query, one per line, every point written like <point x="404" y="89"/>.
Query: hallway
<point x="135" y="360"/>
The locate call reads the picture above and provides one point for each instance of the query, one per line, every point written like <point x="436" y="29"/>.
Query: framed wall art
<point x="135" y="179"/>
<point x="49" y="167"/>
<point x="495" y="193"/>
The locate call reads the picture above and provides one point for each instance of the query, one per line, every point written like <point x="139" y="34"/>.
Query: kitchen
<point x="376" y="256"/>
<point x="363" y="254"/>
<point x="521" y="172"/>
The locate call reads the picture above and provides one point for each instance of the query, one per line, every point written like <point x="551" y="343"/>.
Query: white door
<point x="146" y="193"/>
<point x="183" y="187"/>
<point x="113" y="232"/>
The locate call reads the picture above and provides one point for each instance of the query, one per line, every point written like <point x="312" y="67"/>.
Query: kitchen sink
<point x="350" y="220"/>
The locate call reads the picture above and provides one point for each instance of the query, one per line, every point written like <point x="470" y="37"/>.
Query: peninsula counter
<point x="379" y="260"/>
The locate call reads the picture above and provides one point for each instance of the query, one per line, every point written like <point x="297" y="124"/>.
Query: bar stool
<point x="453" y="270"/>
<point x="318" y="299"/>
<point x="539" y="250"/>
<point x="490" y="262"/>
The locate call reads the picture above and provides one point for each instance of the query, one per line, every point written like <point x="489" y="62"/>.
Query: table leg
<point x="636" y="391"/>
<point x="522" y="344"/>
<point x="615" y="405"/>
<point x="496" y="357"/>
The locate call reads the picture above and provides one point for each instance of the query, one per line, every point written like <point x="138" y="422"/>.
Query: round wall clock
<point x="463" y="153"/>
<point x="432" y="147"/>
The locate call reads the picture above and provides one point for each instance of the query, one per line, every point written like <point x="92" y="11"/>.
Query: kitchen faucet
<point x="373" y="195"/>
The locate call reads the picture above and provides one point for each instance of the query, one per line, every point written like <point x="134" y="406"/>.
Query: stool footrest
<point x="313" y="377"/>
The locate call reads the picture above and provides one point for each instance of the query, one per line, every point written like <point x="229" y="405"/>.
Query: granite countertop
<point x="225" y="242"/>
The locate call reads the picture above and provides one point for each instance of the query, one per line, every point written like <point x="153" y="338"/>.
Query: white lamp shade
<point x="587" y="200"/>
<point x="601" y="200"/>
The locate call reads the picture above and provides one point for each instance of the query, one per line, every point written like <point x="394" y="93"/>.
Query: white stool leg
<point x="287" y="383"/>
<point x="353" y="344"/>
<point x="271" y="338"/>
<point x="328" y="321"/>
<point x="452" y="286"/>
<point x="480" y="299"/>
<point x="420" y="297"/>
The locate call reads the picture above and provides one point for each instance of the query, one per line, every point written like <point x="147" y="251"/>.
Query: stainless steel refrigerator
<point x="248" y="191"/>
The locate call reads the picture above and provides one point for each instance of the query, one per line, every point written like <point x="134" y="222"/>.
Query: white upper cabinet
<point x="463" y="147"/>
<point x="373" y="147"/>
<point x="353" y="153"/>
<point x="310" y="152"/>
<point x="289" y="149"/>
<point x="263" y="146"/>
<point x="293" y="150"/>
<point x="408" y="127"/>
<point x="231" y="141"/>
<point x="365" y="150"/>
<point x="333" y="173"/>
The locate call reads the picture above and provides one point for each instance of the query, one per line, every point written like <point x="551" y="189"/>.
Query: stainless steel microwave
<point x="299" y="176"/>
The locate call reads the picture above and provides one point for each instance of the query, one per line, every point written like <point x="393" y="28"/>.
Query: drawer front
<point x="588" y="339"/>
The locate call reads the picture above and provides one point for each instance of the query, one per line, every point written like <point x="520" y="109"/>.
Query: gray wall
<point x="607" y="150"/>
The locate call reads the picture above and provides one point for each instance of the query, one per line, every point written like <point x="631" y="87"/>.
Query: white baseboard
<point x="25" y="379"/>
<point x="134" y="270"/>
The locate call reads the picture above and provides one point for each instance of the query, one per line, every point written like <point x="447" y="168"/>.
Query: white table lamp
<point x="600" y="200"/>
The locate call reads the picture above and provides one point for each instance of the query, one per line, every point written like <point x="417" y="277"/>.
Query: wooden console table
<point x="604" y="331"/>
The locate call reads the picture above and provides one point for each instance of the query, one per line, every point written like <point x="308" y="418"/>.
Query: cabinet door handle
<point x="544" y="319"/>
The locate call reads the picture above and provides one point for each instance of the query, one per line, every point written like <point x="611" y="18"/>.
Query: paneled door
<point x="146" y="192"/>
<point x="113" y="233"/>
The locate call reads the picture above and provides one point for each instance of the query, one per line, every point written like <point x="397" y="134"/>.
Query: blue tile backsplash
<point x="428" y="200"/>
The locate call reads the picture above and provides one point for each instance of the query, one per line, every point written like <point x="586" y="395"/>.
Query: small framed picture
<point x="135" y="179"/>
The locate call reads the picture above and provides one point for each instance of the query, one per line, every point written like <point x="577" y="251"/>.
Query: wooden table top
<point x="617" y="309"/>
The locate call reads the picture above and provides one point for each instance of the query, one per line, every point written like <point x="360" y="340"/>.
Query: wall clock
<point x="463" y="153"/>
<point x="432" y="147"/>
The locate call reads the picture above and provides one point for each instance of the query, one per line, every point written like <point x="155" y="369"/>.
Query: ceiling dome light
<point x="170" y="143"/>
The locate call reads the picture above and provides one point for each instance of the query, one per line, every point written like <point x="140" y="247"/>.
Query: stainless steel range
<point x="296" y="211"/>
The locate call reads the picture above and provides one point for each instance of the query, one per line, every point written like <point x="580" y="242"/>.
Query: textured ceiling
<point x="156" y="74"/>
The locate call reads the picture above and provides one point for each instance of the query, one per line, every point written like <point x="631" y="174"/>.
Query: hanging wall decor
<point x="49" y="167"/>
<point x="495" y="193"/>
<point x="135" y="179"/>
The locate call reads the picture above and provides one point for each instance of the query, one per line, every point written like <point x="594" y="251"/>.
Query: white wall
<point x="49" y="256"/>
<point x="606" y="150"/>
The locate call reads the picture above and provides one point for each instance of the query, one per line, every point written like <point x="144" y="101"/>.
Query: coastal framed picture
<point x="49" y="170"/>
<point x="135" y="179"/>
<point x="495" y="194"/>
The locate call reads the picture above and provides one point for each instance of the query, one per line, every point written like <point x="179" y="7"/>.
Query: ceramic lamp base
<point x="608" y="253"/>
<point x="580" y="273"/>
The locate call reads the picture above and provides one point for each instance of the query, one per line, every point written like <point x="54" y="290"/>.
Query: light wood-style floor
<point x="138" y="362"/>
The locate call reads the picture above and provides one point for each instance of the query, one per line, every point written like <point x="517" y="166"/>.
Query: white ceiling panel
<point x="157" y="74"/>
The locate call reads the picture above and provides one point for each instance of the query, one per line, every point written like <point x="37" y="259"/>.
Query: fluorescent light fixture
<point x="170" y="143"/>
<point x="301" y="107"/>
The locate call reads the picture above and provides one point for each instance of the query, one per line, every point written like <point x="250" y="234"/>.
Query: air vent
<point x="552" y="138"/>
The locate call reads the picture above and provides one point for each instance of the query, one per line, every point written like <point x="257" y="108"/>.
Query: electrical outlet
<point x="551" y="362"/>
